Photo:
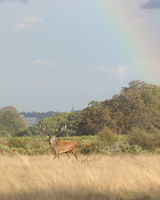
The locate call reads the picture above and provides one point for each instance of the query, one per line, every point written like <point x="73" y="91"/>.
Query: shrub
<point x="17" y="142"/>
<point x="107" y="136"/>
<point x="131" y="149"/>
<point x="144" y="139"/>
<point x="89" y="148"/>
<point x="4" y="149"/>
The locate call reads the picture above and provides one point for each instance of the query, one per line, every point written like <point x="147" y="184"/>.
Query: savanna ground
<point x="24" y="177"/>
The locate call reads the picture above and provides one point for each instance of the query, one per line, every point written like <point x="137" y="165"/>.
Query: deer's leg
<point x="58" y="156"/>
<point x="55" y="155"/>
<point x="75" y="156"/>
<point x="74" y="153"/>
<point x="68" y="154"/>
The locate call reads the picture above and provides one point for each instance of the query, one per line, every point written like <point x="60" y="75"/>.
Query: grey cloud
<point x="151" y="4"/>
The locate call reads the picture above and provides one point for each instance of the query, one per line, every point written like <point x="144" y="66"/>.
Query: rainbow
<point x="135" y="41"/>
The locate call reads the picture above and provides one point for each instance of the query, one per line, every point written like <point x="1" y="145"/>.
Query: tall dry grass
<point x="42" y="178"/>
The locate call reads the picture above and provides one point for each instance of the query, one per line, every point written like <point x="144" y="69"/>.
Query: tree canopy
<point x="11" y="121"/>
<point x="136" y="106"/>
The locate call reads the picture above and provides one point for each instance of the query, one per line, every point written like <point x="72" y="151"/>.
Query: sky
<point x="58" y="54"/>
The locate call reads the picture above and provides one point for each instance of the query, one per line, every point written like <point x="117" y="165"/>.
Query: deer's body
<point x="60" y="147"/>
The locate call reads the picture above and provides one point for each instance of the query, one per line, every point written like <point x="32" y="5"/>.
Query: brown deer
<point x="60" y="147"/>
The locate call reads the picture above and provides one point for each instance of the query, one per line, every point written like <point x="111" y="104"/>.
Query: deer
<point x="60" y="147"/>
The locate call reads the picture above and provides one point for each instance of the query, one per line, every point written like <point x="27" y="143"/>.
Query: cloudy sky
<point x="55" y="54"/>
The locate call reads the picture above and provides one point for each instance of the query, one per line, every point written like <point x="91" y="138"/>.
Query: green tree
<point x="136" y="106"/>
<point x="91" y="119"/>
<point x="11" y="121"/>
<point x="54" y="123"/>
<point x="72" y="123"/>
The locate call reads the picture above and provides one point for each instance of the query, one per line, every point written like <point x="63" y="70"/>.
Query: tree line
<point x="136" y="106"/>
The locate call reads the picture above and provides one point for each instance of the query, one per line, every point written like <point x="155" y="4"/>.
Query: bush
<point x="107" y="136"/>
<point x="17" y="142"/>
<point x="131" y="149"/>
<point x="144" y="139"/>
<point x="89" y="148"/>
<point x="4" y="149"/>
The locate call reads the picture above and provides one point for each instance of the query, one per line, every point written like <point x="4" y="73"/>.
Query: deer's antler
<point x="62" y="129"/>
<point x="42" y="129"/>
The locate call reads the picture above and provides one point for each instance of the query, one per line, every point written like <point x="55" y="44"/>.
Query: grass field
<point x="42" y="178"/>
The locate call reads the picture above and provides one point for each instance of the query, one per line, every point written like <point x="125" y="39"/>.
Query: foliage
<point x="30" y="131"/>
<point x="90" y="119"/>
<point x="131" y="149"/>
<point x="36" y="145"/>
<point x="52" y="125"/>
<point x="108" y="136"/>
<point x="144" y="139"/>
<point x="10" y="121"/>
<point x="17" y="142"/>
<point x="136" y="106"/>
<point x="24" y="145"/>
<point x="89" y="148"/>
<point x="72" y="123"/>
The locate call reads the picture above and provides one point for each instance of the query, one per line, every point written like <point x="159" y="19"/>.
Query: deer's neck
<point x="54" y="144"/>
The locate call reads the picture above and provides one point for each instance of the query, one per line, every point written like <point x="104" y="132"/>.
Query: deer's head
<point x="52" y="137"/>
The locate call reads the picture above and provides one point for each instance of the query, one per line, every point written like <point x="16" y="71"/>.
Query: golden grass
<point x="42" y="178"/>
